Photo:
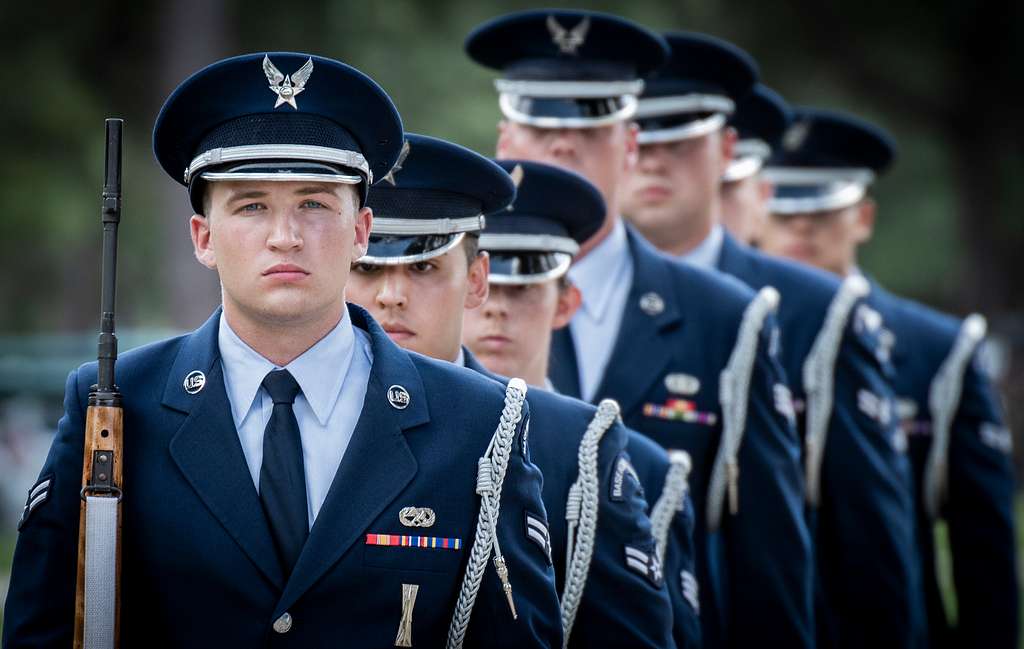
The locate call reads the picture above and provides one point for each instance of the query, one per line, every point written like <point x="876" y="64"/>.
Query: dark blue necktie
<point x="282" y="477"/>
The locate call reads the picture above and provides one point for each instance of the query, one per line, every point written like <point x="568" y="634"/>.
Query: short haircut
<point x="471" y="246"/>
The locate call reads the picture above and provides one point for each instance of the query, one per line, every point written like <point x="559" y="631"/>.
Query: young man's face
<point x="602" y="155"/>
<point x="744" y="207"/>
<point x="671" y="195"/>
<point x="282" y="249"/>
<point x="827" y="240"/>
<point x="420" y="305"/>
<point x="511" y="332"/>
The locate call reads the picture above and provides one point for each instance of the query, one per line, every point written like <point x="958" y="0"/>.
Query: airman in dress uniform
<point x="294" y="478"/>
<point x="423" y="266"/>
<point x="821" y="214"/>
<point x="656" y="334"/>
<point x="530" y="246"/>
<point x="859" y="508"/>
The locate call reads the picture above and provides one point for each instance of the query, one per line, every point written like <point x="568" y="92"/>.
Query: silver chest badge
<point x="398" y="397"/>
<point x="416" y="516"/>
<point x="568" y="40"/>
<point x="685" y="384"/>
<point x="287" y="87"/>
<point x="194" y="382"/>
<point x="652" y="304"/>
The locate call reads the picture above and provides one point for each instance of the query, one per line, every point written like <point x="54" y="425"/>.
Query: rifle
<point x="97" y="596"/>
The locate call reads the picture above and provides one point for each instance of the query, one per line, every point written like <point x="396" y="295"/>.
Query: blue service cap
<point x="277" y="116"/>
<point x="566" y="68"/>
<point x="827" y="161"/>
<point x="694" y="93"/>
<point x="760" y="120"/>
<point x="537" y="236"/>
<point x="436" y="193"/>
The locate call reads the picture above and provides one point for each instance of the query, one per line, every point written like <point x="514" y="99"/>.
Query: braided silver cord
<point x="819" y="379"/>
<point x="943" y="400"/>
<point x="734" y="392"/>
<point x="671" y="500"/>
<point x="491" y="470"/>
<point x="578" y="566"/>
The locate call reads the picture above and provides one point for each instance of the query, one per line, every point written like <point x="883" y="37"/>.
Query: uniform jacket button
<point x="283" y="624"/>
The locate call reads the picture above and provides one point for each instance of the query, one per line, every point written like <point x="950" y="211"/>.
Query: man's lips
<point x="654" y="192"/>
<point x="398" y="332"/>
<point x="286" y="272"/>
<point x="494" y="343"/>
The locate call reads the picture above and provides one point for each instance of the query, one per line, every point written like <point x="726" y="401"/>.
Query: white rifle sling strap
<point x="100" y="571"/>
<point x="490" y="478"/>
<point x="581" y="515"/>
<point x="943" y="400"/>
<point x="734" y="392"/>
<point x="671" y="500"/>
<point x="819" y="377"/>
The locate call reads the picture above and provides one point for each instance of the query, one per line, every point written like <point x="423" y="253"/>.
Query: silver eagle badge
<point x="568" y="40"/>
<point x="287" y="87"/>
<point x="402" y="155"/>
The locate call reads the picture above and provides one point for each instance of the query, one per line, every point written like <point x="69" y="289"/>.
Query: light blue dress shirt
<point x="332" y="374"/>
<point x="707" y="253"/>
<point x="604" y="276"/>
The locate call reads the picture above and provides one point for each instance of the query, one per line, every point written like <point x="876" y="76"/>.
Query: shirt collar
<point x="320" y="371"/>
<point x="460" y="360"/>
<point x="595" y="273"/>
<point x="707" y="253"/>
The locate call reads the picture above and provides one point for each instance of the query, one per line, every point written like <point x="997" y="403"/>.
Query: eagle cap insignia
<point x="568" y="40"/>
<point x="402" y="155"/>
<point x="287" y="87"/>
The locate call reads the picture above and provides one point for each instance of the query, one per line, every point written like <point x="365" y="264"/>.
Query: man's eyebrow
<point x="316" y="189"/>
<point x="252" y="193"/>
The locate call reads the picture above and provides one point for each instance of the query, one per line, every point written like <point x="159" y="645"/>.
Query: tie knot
<point x="281" y="386"/>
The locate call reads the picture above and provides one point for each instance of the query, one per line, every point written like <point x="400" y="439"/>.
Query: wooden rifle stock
<point x="102" y="463"/>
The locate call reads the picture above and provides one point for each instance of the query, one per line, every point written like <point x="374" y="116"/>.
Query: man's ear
<point x="202" y="244"/>
<point x="477" y="287"/>
<point x="632" y="158"/>
<point x="569" y="301"/>
<point x="363" y="224"/>
<point x="501" y="147"/>
<point x="866" y="210"/>
<point x="728" y="137"/>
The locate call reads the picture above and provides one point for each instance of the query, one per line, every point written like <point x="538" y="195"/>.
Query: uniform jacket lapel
<point x="734" y="259"/>
<point x="207" y="450"/>
<point x="642" y="334"/>
<point x="376" y="468"/>
<point x="562" y="368"/>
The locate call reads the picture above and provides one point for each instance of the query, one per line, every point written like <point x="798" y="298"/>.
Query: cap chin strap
<point x="537" y="278"/>
<point x="682" y="104"/>
<point x="569" y="89"/>
<point x="742" y="168"/>
<point x="252" y="152"/>
<point x="507" y="104"/>
<point x="411" y="259"/>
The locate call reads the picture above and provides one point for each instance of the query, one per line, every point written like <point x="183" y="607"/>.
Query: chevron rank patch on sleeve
<point x="874" y="406"/>
<point x="37" y="497"/>
<point x="690" y="589"/>
<point x="784" y="402"/>
<point x="996" y="436"/>
<point x="644" y="561"/>
<point x="537" y="531"/>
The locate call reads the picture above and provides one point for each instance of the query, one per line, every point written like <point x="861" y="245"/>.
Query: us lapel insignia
<point x="398" y="397"/>
<point x="194" y="382"/>
<point x="680" y="410"/>
<point x="652" y="304"/>
<point x="416" y="516"/>
<point x="404" y="637"/>
<point x="679" y="383"/>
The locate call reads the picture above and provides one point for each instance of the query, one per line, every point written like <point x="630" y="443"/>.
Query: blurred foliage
<point x="68" y="65"/>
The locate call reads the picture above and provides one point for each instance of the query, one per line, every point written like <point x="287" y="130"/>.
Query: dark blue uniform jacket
<point x="199" y="567"/>
<point x="979" y="509"/>
<point x="755" y="573"/>
<point x="867" y="588"/>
